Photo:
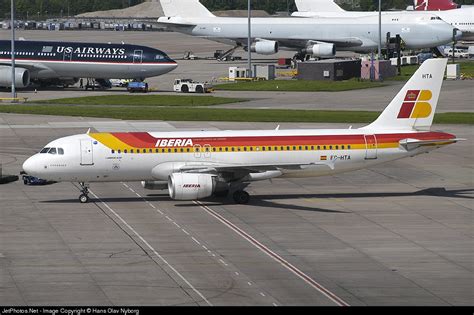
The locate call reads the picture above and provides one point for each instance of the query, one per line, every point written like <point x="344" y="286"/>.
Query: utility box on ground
<point x="381" y="68"/>
<point x="237" y="73"/>
<point x="264" y="71"/>
<point x="329" y="70"/>
<point x="453" y="71"/>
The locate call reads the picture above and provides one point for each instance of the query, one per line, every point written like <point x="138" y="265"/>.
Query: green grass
<point x="144" y="100"/>
<point x="467" y="68"/>
<point x="299" y="86"/>
<point x="218" y="114"/>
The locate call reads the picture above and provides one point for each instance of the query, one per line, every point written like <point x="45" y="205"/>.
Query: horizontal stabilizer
<point x="411" y="144"/>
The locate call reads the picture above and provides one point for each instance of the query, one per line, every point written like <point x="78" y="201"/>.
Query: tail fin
<point x="318" y="6"/>
<point x="414" y="106"/>
<point x="184" y="9"/>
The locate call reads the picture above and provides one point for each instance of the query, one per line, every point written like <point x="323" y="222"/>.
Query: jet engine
<point x="22" y="77"/>
<point x="321" y="50"/>
<point x="154" y="185"/>
<point x="188" y="186"/>
<point x="267" y="47"/>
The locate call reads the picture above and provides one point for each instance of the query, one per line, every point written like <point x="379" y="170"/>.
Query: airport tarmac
<point x="395" y="234"/>
<point x="456" y="96"/>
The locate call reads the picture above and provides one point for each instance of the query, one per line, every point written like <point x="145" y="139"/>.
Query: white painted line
<point x="330" y="295"/>
<point x="133" y="191"/>
<point x="274" y="304"/>
<point x="125" y="185"/>
<point x="185" y="232"/>
<point x="138" y="195"/>
<point x="223" y="262"/>
<point x="152" y="249"/>
<point x="169" y="219"/>
<point x="236" y="273"/>
<point x="176" y="224"/>
<point x="262" y="294"/>
<point x="249" y="283"/>
<point x="151" y="205"/>
<point x="204" y="247"/>
<point x="195" y="240"/>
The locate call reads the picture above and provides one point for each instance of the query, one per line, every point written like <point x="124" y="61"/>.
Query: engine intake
<point x="188" y="186"/>
<point x="22" y="77"/>
<point x="321" y="50"/>
<point x="267" y="47"/>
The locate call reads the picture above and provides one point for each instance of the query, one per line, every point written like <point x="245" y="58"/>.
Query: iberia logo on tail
<point x="416" y="104"/>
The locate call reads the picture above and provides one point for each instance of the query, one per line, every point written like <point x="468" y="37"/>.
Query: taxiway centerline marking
<point x="330" y="295"/>
<point x="152" y="249"/>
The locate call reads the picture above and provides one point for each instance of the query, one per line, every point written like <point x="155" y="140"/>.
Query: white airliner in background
<point x="462" y="18"/>
<point x="195" y="165"/>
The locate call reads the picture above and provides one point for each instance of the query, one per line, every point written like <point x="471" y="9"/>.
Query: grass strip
<point x="299" y="86"/>
<point x="219" y="114"/>
<point x="144" y="100"/>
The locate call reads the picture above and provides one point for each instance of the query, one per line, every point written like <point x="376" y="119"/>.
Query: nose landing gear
<point x="84" y="197"/>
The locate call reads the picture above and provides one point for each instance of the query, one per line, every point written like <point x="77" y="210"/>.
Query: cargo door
<point x="87" y="154"/>
<point x="371" y="147"/>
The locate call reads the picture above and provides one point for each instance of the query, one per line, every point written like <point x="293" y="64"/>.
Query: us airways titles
<point x="91" y="50"/>
<point x="164" y="143"/>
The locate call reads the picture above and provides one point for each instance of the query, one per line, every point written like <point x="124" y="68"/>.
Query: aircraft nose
<point x="31" y="165"/>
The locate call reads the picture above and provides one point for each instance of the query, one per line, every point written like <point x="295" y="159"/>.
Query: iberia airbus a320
<point x="196" y="165"/>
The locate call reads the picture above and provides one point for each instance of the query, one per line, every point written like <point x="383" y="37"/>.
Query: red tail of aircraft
<point x="434" y="5"/>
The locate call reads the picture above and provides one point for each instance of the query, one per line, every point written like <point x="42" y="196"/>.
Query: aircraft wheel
<point x="241" y="197"/>
<point x="185" y="89"/>
<point x="83" y="198"/>
<point x="221" y="194"/>
<point x="199" y="89"/>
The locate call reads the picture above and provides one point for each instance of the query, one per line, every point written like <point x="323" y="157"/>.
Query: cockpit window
<point x="60" y="151"/>
<point x="159" y="57"/>
<point x="52" y="151"/>
<point x="45" y="150"/>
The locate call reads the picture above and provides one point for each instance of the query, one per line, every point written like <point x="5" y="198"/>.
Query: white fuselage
<point x="103" y="158"/>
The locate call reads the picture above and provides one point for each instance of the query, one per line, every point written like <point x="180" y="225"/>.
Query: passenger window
<point x="60" y="151"/>
<point x="52" y="151"/>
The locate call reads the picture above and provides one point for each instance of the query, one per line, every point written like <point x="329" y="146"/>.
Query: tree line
<point x="41" y="9"/>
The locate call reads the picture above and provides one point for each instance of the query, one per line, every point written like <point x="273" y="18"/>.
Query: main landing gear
<point x="241" y="197"/>
<point x="84" y="197"/>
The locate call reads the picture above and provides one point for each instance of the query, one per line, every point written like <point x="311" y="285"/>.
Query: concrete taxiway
<point x="395" y="234"/>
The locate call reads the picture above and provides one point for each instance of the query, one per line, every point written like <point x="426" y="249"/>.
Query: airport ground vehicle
<point x="136" y="86"/>
<point x="458" y="53"/>
<point x="34" y="181"/>
<point x="194" y="165"/>
<point x="189" y="86"/>
<point x="120" y="82"/>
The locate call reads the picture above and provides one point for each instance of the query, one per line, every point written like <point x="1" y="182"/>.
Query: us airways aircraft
<point x="195" y="165"/>
<point x="462" y="19"/>
<point x="318" y="37"/>
<point x="54" y="63"/>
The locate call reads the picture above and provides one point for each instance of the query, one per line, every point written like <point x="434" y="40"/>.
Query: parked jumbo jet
<point x="318" y="37"/>
<point x="195" y="165"/>
<point x="61" y="63"/>
<point x="461" y="19"/>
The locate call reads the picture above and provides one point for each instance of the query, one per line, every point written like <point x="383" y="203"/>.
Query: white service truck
<point x="189" y="86"/>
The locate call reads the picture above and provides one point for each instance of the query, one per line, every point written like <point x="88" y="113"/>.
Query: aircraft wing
<point x="245" y="169"/>
<point x="412" y="144"/>
<point x="299" y="43"/>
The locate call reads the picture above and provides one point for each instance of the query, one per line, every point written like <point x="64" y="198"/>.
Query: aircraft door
<point x="138" y="56"/>
<point x="197" y="150"/>
<point x="67" y="56"/>
<point x="371" y="147"/>
<point x="87" y="154"/>
<point x="207" y="151"/>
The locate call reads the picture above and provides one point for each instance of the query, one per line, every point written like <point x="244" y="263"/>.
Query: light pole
<point x="249" y="39"/>
<point x="12" y="14"/>
<point x="380" y="30"/>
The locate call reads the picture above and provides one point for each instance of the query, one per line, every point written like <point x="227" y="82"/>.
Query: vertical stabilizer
<point x="414" y="106"/>
<point x="317" y="6"/>
<point x="185" y="9"/>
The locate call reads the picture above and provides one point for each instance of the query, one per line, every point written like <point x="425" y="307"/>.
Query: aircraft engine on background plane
<point x="321" y="50"/>
<point x="22" y="77"/>
<point x="189" y="186"/>
<point x="266" y="47"/>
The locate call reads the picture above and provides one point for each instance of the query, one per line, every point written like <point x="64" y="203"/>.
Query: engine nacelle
<point x="267" y="47"/>
<point x="22" y="77"/>
<point x="154" y="185"/>
<point x="188" y="186"/>
<point x="321" y="50"/>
